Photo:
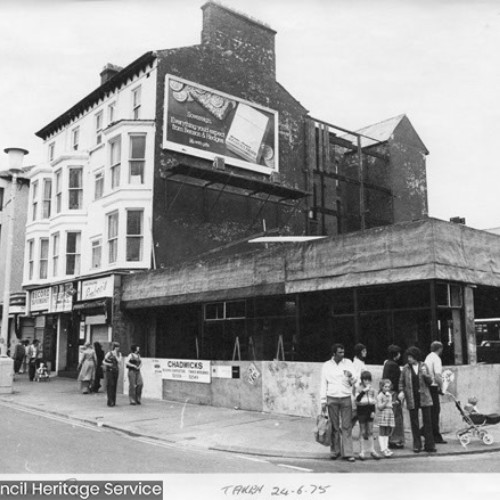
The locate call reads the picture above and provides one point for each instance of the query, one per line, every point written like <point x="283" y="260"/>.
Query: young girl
<point x="365" y="406"/>
<point x="385" y="419"/>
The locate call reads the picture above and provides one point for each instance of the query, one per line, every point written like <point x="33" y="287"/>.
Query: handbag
<point x="323" y="430"/>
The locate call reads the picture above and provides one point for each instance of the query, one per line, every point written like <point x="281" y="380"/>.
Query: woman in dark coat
<point x="99" y="353"/>
<point x="392" y="371"/>
<point x="414" y="388"/>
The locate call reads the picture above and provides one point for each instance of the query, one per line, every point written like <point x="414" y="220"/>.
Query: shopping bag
<point x="323" y="430"/>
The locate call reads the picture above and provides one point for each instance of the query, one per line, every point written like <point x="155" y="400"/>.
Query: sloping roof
<point x="384" y="130"/>
<point x="400" y="253"/>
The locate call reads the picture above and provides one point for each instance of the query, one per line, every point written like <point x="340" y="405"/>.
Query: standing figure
<point x="87" y="368"/>
<point x="414" y="388"/>
<point x="365" y="402"/>
<point x="358" y="362"/>
<point x="18" y="355"/>
<point x="385" y="417"/>
<point x="392" y="371"/>
<point x="111" y="364"/>
<point x="435" y="366"/>
<point x="34" y="358"/>
<point x="337" y="382"/>
<point x="24" y="365"/>
<point x="99" y="354"/>
<point x="134" y="363"/>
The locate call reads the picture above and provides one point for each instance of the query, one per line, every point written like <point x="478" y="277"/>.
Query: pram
<point x="42" y="374"/>
<point x="475" y="424"/>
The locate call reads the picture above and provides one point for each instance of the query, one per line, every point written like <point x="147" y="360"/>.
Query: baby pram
<point x="42" y="374"/>
<point x="475" y="425"/>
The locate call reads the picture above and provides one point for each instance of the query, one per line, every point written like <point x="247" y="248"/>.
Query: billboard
<point x="203" y="122"/>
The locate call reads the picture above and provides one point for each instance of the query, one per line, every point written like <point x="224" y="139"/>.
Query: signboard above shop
<point x="204" y="122"/>
<point x="96" y="288"/>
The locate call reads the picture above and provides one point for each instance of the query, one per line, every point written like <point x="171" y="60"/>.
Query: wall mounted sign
<point x="187" y="370"/>
<point x="204" y="122"/>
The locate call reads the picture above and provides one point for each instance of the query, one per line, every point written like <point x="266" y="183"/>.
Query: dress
<point x="87" y="369"/>
<point x="135" y="382"/>
<point x="385" y="416"/>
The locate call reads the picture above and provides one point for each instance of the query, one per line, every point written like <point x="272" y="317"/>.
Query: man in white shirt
<point x="337" y="381"/>
<point x="435" y="366"/>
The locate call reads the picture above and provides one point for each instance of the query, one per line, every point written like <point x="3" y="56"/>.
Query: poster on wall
<point x="207" y="123"/>
<point x="187" y="370"/>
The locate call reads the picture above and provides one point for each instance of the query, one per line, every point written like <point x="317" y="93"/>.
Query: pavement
<point x="197" y="426"/>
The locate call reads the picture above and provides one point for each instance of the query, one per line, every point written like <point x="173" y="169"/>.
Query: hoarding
<point x="187" y="370"/>
<point x="204" y="122"/>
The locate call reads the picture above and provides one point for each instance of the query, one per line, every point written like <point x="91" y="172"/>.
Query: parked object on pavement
<point x="42" y="373"/>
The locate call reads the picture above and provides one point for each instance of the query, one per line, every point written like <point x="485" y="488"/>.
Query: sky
<point x="349" y="62"/>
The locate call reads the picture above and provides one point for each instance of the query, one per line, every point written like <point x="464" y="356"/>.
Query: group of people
<point x="348" y="396"/>
<point x="94" y="364"/>
<point x="28" y="358"/>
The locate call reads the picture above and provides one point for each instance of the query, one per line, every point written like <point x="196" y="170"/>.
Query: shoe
<point x="349" y="459"/>
<point x="138" y="402"/>
<point x="416" y="450"/>
<point x="375" y="455"/>
<point x="431" y="450"/>
<point x="132" y="403"/>
<point x="334" y="456"/>
<point x="396" y="446"/>
<point x="362" y="457"/>
<point x="388" y="453"/>
<point x="440" y="441"/>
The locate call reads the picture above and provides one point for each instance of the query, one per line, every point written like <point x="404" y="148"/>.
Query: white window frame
<point x="76" y="254"/>
<point x="136" y="179"/>
<point x="31" y="258"/>
<point x="55" y="253"/>
<point x="96" y="253"/>
<point x="75" y="189"/>
<point x="46" y="198"/>
<point x="133" y="236"/>
<point x="58" y="187"/>
<point x="75" y="138"/>
<point x="136" y="102"/>
<point x="99" y="184"/>
<point x="99" y="119"/>
<point x="115" y="163"/>
<point x="112" y="237"/>
<point x="34" y="200"/>
<point x="43" y="253"/>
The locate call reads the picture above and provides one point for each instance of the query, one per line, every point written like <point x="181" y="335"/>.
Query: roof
<point x="384" y="130"/>
<point x="428" y="249"/>
<point x="95" y="96"/>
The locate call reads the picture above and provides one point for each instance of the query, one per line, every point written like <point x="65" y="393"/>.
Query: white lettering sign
<point x="98" y="288"/>
<point x="39" y="299"/>
<point x="187" y="370"/>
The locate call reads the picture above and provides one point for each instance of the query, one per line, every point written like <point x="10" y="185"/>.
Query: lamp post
<point x="16" y="156"/>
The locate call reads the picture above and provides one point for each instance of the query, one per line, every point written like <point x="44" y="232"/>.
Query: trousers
<point x="340" y="414"/>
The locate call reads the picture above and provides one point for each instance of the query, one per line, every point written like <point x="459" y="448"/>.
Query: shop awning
<point x="101" y="306"/>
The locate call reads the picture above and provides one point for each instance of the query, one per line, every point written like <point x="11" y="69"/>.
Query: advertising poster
<point x="187" y="370"/>
<point x="207" y="123"/>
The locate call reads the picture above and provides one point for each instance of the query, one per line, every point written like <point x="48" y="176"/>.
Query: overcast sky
<point x="350" y="62"/>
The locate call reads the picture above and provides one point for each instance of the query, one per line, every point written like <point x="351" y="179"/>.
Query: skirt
<point x="386" y="418"/>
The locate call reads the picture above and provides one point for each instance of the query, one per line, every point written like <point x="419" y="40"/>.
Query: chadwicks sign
<point x="204" y="122"/>
<point x="187" y="370"/>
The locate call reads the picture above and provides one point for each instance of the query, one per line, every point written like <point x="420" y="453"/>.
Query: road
<point x="37" y="443"/>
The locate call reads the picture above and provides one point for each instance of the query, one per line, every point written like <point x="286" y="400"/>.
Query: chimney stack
<point x="108" y="72"/>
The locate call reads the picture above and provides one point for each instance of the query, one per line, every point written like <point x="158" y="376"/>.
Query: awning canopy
<point x="415" y="251"/>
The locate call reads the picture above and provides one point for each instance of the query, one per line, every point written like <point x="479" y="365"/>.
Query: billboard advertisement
<point x="203" y="122"/>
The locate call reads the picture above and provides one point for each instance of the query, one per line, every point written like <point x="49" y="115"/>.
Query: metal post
<point x="362" y="208"/>
<point x="6" y="364"/>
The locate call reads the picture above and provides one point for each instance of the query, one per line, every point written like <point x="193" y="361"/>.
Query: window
<point x="75" y="188"/>
<point x="115" y="160"/>
<point x="75" y="138"/>
<point x="134" y="235"/>
<point x="112" y="237"/>
<point x="137" y="158"/>
<point x="52" y="149"/>
<point x="47" y="195"/>
<point x="34" y="201"/>
<point x="44" y="258"/>
<point x="73" y="253"/>
<point x="96" y="253"/>
<point x="98" y="127"/>
<point x="111" y="112"/>
<point x="58" y="191"/>
<point x="55" y="253"/>
<point x="225" y="310"/>
<point x="98" y="185"/>
<point x="136" y="103"/>
<point x="1" y="198"/>
<point x="31" y="245"/>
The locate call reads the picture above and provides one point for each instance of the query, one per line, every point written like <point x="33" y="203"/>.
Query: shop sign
<point x="187" y="370"/>
<point x="40" y="299"/>
<point x="61" y="299"/>
<point x="204" y="122"/>
<point x="219" y="371"/>
<point x="95" y="289"/>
